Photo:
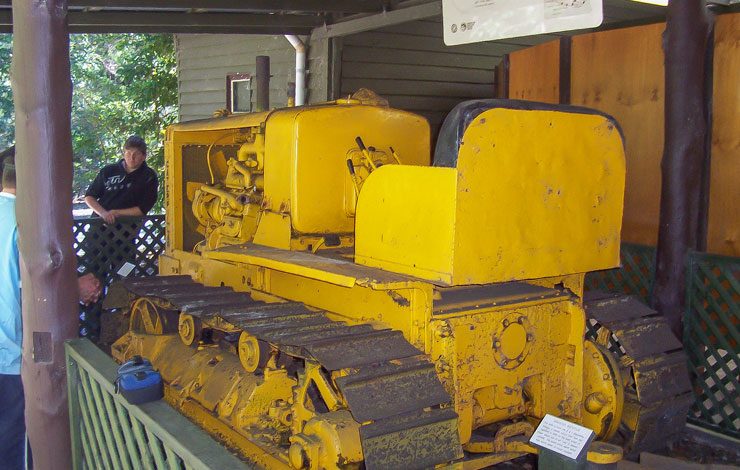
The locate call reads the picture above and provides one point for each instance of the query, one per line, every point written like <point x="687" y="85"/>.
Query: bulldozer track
<point x="389" y="386"/>
<point x="653" y="366"/>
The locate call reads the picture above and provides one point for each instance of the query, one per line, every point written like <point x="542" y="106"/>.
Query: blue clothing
<point x="12" y="423"/>
<point x="10" y="289"/>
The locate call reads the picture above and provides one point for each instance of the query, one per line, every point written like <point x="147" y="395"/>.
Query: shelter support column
<point x="42" y="92"/>
<point x="688" y="27"/>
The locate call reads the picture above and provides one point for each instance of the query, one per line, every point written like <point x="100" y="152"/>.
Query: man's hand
<point x="108" y="216"/>
<point x="90" y="289"/>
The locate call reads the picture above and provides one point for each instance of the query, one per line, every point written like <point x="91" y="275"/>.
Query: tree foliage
<point x="123" y="84"/>
<point x="7" y="124"/>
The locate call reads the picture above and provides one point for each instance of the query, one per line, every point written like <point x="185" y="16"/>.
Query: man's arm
<point x="129" y="211"/>
<point x="107" y="216"/>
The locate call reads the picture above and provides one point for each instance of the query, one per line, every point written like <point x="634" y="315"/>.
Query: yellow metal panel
<point x="394" y="233"/>
<point x="540" y="194"/>
<point x="306" y="171"/>
<point x="279" y="150"/>
<point x="537" y="194"/>
<point x="323" y="137"/>
<point x="333" y="270"/>
<point x="233" y="121"/>
<point x="273" y="230"/>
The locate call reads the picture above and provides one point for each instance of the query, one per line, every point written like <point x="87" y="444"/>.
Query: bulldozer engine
<point x="328" y="299"/>
<point x="287" y="178"/>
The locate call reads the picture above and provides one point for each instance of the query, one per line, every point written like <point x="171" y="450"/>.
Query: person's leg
<point x="12" y="422"/>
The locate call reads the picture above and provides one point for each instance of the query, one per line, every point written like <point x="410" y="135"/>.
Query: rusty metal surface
<point x="216" y="303"/>
<point x="340" y="352"/>
<point x="662" y="377"/>
<point x="462" y="298"/>
<point x="657" y="425"/>
<point x="658" y="401"/>
<point x="611" y="308"/>
<point x="643" y="337"/>
<point x="261" y="255"/>
<point x="300" y="338"/>
<point x="274" y="310"/>
<point x="118" y="296"/>
<point x="134" y="284"/>
<point x="412" y="441"/>
<point x="372" y="392"/>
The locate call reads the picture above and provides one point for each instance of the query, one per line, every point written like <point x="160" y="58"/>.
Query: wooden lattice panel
<point x="635" y="277"/>
<point x="712" y="340"/>
<point x="102" y="249"/>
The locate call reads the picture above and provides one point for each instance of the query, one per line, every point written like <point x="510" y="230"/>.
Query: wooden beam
<point x="111" y="18"/>
<point x="265" y="6"/>
<point x="42" y="92"/>
<point x="684" y="42"/>
<point x="387" y="18"/>
<point x="502" y="78"/>
<point x="702" y="236"/>
<point x="214" y="23"/>
<point x="154" y="29"/>
<point x="565" y="67"/>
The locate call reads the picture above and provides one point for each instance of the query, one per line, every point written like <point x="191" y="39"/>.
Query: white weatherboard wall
<point x="204" y="60"/>
<point x="410" y="65"/>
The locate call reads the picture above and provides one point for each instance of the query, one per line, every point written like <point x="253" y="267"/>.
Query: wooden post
<point x="263" y="82"/>
<point x="42" y="93"/>
<point x="566" y="46"/>
<point x="502" y="78"/>
<point x="684" y="152"/>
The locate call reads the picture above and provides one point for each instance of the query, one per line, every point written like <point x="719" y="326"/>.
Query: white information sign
<point x="561" y="436"/>
<point x="467" y="21"/>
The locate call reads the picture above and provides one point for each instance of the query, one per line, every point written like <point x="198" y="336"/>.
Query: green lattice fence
<point x="711" y="326"/>
<point x="635" y="277"/>
<point x="103" y="249"/>
<point x="712" y="339"/>
<point x="108" y="433"/>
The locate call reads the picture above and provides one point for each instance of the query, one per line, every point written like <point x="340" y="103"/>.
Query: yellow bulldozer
<point x="334" y="296"/>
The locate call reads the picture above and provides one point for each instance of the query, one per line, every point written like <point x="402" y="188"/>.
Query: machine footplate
<point x="389" y="386"/>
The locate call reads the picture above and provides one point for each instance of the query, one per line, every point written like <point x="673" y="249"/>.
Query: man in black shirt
<point x="126" y="188"/>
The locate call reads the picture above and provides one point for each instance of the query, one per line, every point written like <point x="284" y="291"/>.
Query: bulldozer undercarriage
<point x="361" y="394"/>
<point x="366" y="398"/>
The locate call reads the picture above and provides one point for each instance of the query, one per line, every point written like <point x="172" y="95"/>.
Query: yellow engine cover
<point x="535" y="194"/>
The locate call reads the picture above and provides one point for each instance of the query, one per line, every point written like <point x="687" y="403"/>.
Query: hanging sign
<point x="467" y="21"/>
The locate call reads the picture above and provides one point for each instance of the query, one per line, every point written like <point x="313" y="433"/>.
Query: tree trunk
<point x="684" y="43"/>
<point x="42" y="92"/>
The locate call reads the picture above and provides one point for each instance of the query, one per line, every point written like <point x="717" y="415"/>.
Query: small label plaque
<point x="126" y="269"/>
<point x="561" y="436"/>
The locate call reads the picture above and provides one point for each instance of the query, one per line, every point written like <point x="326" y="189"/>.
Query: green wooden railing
<point x="711" y="327"/>
<point x="108" y="433"/>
